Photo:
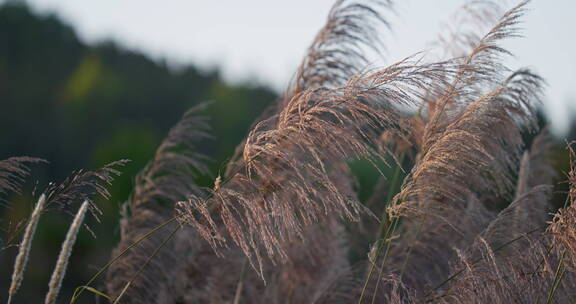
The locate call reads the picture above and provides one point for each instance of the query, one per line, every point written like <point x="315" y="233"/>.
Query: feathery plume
<point x="167" y="178"/>
<point x="441" y="200"/>
<point x="513" y="255"/>
<point x="525" y="214"/>
<point x="338" y="51"/>
<point x="461" y="36"/>
<point x="470" y="144"/>
<point x="531" y="204"/>
<point x="24" y="248"/>
<point x="563" y="230"/>
<point x="62" y="263"/>
<point x="563" y="226"/>
<point x="479" y="73"/>
<point x="288" y="165"/>
<point x="541" y="163"/>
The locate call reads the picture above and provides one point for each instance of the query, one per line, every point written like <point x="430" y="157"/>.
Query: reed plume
<point x="80" y="185"/>
<point x="514" y="260"/>
<point x="326" y="119"/>
<point x="563" y="226"/>
<point x="287" y="165"/>
<point x="531" y="205"/>
<point x="441" y="202"/>
<point x="480" y="71"/>
<point x="337" y="53"/>
<point x="537" y="164"/>
<point x="469" y="144"/>
<point x="563" y="229"/>
<point x="24" y="249"/>
<point x="335" y="56"/>
<point x="167" y="178"/>
<point x="62" y="263"/>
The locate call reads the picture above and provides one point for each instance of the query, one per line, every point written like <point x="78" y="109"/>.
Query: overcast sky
<point x="264" y="40"/>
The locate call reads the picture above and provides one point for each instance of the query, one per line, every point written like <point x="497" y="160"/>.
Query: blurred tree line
<point x="82" y="106"/>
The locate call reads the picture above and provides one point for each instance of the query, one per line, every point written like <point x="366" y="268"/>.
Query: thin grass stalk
<point x="394" y="224"/>
<point x="385" y="224"/>
<point x="168" y="238"/>
<point x="385" y="219"/>
<point x="62" y="263"/>
<point x="388" y="243"/>
<point x="24" y="248"/>
<point x="557" y="278"/>
<point x="240" y="286"/>
<point x="551" y="246"/>
<point x="541" y="263"/>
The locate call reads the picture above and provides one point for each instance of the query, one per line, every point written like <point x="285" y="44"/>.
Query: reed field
<point x="469" y="203"/>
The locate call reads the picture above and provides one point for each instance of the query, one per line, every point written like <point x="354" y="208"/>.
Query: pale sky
<point x="264" y="40"/>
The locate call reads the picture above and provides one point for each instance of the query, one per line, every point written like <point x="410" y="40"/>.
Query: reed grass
<point x="24" y="249"/>
<point x="470" y="223"/>
<point x="79" y="186"/>
<point x="477" y="195"/>
<point x="62" y="262"/>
